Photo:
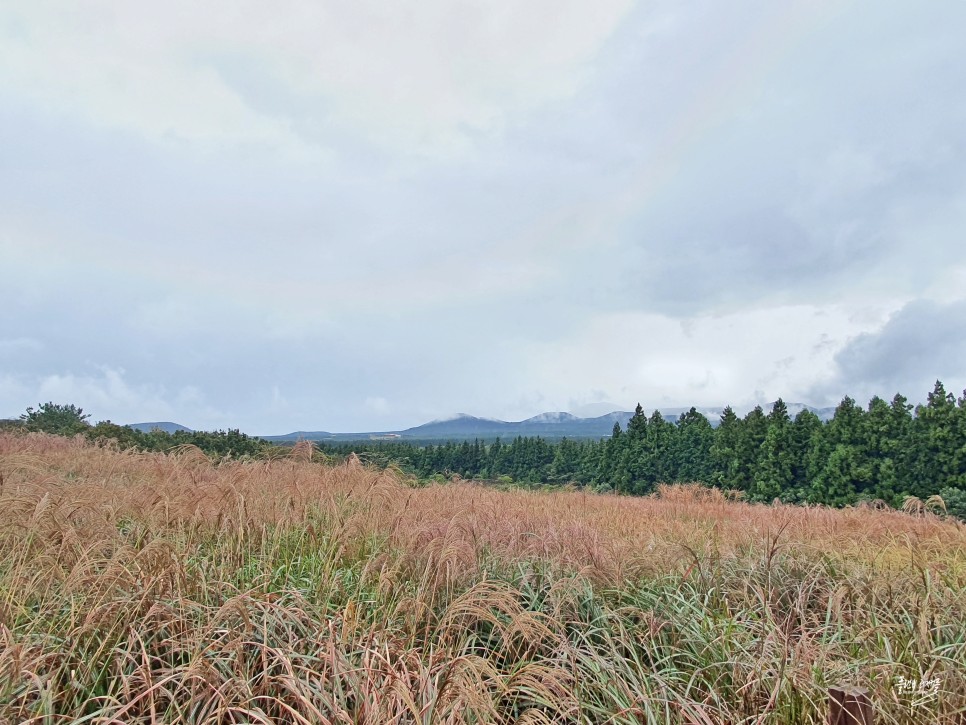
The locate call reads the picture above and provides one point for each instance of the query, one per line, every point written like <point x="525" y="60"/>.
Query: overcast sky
<point x="365" y="215"/>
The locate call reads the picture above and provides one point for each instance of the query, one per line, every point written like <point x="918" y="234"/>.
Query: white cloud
<point x="107" y="394"/>
<point x="429" y="75"/>
<point x="649" y="358"/>
<point x="377" y="404"/>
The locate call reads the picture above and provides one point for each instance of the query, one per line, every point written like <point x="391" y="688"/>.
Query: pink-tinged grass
<point x="162" y="588"/>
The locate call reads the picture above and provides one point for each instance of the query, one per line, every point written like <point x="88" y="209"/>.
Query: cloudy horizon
<point x="319" y="216"/>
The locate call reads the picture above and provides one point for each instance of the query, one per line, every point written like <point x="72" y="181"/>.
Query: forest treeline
<point x="886" y="451"/>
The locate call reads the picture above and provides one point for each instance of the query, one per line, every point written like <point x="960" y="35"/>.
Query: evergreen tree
<point x="806" y="431"/>
<point x="690" y="451"/>
<point x="590" y="461"/>
<point x="937" y="443"/>
<point x="753" y="431"/>
<point x="775" y="473"/>
<point x="649" y="456"/>
<point x="841" y="464"/>
<point x="724" y="451"/>
<point x="614" y="462"/>
<point x="64" y="420"/>
<point x="496" y="458"/>
<point x="885" y="437"/>
<point x="637" y="425"/>
<point x="566" y="462"/>
<point x="958" y="453"/>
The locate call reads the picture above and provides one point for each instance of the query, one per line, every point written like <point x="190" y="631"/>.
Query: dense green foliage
<point x="886" y="451"/>
<point x="70" y="420"/>
<point x="56" y="419"/>
<point x="218" y="444"/>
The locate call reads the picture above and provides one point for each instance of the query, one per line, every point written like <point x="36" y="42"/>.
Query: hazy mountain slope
<point x="164" y="426"/>
<point x="546" y="425"/>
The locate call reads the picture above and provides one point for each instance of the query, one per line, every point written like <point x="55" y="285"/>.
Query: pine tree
<point x="654" y="461"/>
<point x="724" y="451"/>
<point x="752" y="433"/>
<point x="884" y="443"/>
<point x="843" y="469"/>
<point x="590" y="463"/>
<point x="64" y="420"/>
<point x="806" y="431"/>
<point x="775" y="472"/>
<point x="958" y="447"/>
<point x="936" y="443"/>
<point x="566" y="461"/>
<point x="614" y="462"/>
<point x="637" y="425"/>
<point x="690" y="452"/>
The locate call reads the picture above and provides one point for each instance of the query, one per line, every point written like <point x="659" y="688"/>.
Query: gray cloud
<point x="922" y="342"/>
<point x="828" y="175"/>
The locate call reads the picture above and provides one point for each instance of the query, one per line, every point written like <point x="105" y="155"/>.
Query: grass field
<point x="162" y="588"/>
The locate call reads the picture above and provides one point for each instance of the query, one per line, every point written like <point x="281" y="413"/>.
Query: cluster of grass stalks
<point x="162" y="588"/>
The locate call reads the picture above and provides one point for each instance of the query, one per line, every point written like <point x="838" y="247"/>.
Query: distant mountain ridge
<point x="164" y="427"/>
<point x="546" y="425"/>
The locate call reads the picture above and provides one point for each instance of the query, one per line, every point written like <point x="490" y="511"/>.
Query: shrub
<point x="66" y="420"/>
<point x="955" y="500"/>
